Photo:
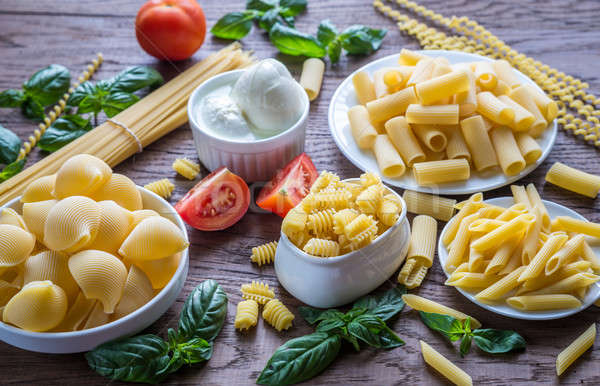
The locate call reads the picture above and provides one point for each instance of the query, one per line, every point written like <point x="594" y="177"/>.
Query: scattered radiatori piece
<point x="257" y="291"/>
<point x="575" y="349"/>
<point x="39" y="306"/>
<point x="312" y="77"/>
<point x="39" y="190"/>
<point x="322" y="247"/>
<point x="437" y="172"/>
<point x="437" y="207"/>
<point x="16" y="245"/>
<point x="264" y="254"/>
<point x="277" y="315"/>
<point x="137" y="292"/>
<point x="163" y="188"/>
<point x="186" y="168"/>
<point x="153" y="238"/>
<point x="81" y="175"/>
<point x="246" y="315"/>
<point x="448" y="369"/>
<point x="121" y="190"/>
<point x="574" y="180"/>
<point x="422" y="304"/>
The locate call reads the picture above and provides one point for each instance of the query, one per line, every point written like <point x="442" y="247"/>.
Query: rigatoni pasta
<point x="494" y="109"/>
<point x="404" y="140"/>
<point x="363" y="87"/>
<point x="506" y="149"/>
<point x="389" y="161"/>
<point x="437" y="207"/>
<point x="312" y="77"/>
<point x="361" y="127"/>
<point x="432" y="115"/>
<point x="420" y="251"/>
<point x="478" y="141"/>
<point x="436" y="172"/>
<point x="574" y="180"/>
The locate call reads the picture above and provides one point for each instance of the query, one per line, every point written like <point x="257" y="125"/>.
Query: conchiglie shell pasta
<point x="40" y="189"/>
<point x="152" y="239"/>
<point x="140" y="215"/>
<point x="16" y="245"/>
<point x="53" y="266"/>
<point x="115" y="224"/>
<point x="159" y="271"/>
<point x="35" y="215"/>
<point x="100" y="275"/>
<point x="72" y="224"/>
<point x="137" y="292"/>
<point x="121" y="190"/>
<point x="10" y="216"/>
<point x="81" y="175"/>
<point x="7" y="291"/>
<point x="97" y="317"/>
<point x="77" y="314"/>
<point x="39" y="306"/>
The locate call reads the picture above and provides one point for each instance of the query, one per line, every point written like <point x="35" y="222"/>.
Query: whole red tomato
<point x="170" y="29"/>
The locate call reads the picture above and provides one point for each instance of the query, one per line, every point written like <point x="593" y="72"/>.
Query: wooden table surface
<point x="563" y="34"/>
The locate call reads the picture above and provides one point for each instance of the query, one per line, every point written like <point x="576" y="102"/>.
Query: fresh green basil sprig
<point x="304" y="357"/>
<point x="487" y="339"/>
<point x="10" y="144"/>
<point x="43" y="89"/>
<point x="150" y="359"/>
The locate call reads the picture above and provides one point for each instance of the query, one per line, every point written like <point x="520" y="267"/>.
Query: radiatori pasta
<point x="83" y="251"/>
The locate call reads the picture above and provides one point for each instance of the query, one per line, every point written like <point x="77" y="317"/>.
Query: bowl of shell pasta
<point x="87" y="257"/>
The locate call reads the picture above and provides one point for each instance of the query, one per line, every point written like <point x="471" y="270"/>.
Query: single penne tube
<point x="362" y="130"/>
<point x="538" y="263"/>
<point x="464" y="267"/>
<point x="422" y="72"/>
<point x="564" y="254"/>
<point x="512" y="212"/>
<point x="485" y="75"/>
<point x="312" y="77"/>
<point x="432" y="115"/>
<point x="530" y="242"/>
<point x="506" y="73"/>
<point x="564" y="272"/>
<point x="501" y="88"/>
<point x="575" y="349"/>
<point x="568" y="284"/>
<point x="503" y="233"/>
<point x="431" y="136"/>
<point x="514" y="262"/>
<point x="523" y="118"/>
<point x="530" y="149"/>
<point x="476" y="261"/>
<point x="589" y="255"/>
<point x="485" y="225"/>
<point x="442" y="86"/>
<point x="472" y="205"/>
<point x="536" y="200"/>
<point x="437" y="207"/>
<point x="448" y="369"/>
<point x="580" y="292"/>
<point x="410" y="58"/>
<point x="501" y="287"/>
<point x="508" y="153"/>
<point x="466" y="100"/>
<point x="363" y="87"/>
<point x="471" y="280"/>
<point x="479" y="144"/>
<point x="439" y="172"/>
<point x="570" y="224"/>
<point x="391" y="105"/>
<point x="491" y="211"/>
<point x="460" y="244"/>
<point x="547" y="106"/>
<point x="389" y="161"/>
<point x="457" y="147"/>
<point x="574" y="180"/>
<point x="543" y="302"/>
<point x="404" y="139"/>
<point x="494" y="109"/>
<point x="502" y="255"/>
<point x="520" y="195"/>
<point x="419" y="303"/>
<point x="423" y="240"/>
<point x="520" y="95"/>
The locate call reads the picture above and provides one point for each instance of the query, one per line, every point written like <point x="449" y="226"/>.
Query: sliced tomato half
<point x="289" y="186"/>
<point x="217" y="202"/>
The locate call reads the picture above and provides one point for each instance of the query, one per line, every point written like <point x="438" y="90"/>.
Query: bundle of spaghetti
<point x="568" y="91"/>
<point x="139" y="125"/>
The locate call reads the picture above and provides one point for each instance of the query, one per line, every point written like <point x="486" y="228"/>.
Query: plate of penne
<point x="443" y="122"/>
<point x="521" y="256"/>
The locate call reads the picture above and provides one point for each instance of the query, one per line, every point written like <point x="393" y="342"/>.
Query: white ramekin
<point x="85" y="340"/>
<point x="335" y="281"/>
<point x="253" y="161"/>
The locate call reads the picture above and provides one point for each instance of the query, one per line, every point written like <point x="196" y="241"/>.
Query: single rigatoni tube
<point x="501" y="287"/>
<point x="381" y="89"/>
<point x="422" y="72"/>
<point x="431" y="136"/>
<point x="404" y="139"/>
<point x="362" y="130"/>
<point x="478" y="141"/>
<point x="448" y="369"/>
<point x="494" y="109"/>
<point x="394" y="80"/>
<point x="570" y="224"/>
<point x="431" y="155"/>
<point x="520" y="195"/>
<point x="442" y="86"/>
<point x="529" y="148"/>
<point x="489" y="125"/>
<point x="536" y="201"/>
<point x="502" y="255"/>
<point x="575" y="349"/>
<point x="410" y="58"/>
<point x="523" y="118"/>
<point x="508" y="153"/>
<point x="543" y="302"/>
<point x="389" y="161"/>
<point x="547" y="106"/>
<point x="501" y="88"/>
<point x="506" y="73"/>
<point x="438" y="172"/>
<point x="574" y="180"/>
<point x="485" y="75"/>
<point x="458" y="249"/>
<point x="312" y="77"/>
<point x="420" y="303"/>
<point x="363" y="87"/>
<point x="437" y="207"/>
<point x="391" y="105"/>
<point x="520" y="95"/>
<point x="432" y="115"/>
<point x="538" y="263"/>
<point x="422" y="240"/>
<point x="503" y="233"/>
<point x="457" y="147"/>
<point x="467" y="100"/>
<point x="564" y="254"/>
<point x="441" y="67"/>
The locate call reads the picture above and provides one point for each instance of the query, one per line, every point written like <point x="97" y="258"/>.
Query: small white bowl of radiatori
<point x="85" y="265"/>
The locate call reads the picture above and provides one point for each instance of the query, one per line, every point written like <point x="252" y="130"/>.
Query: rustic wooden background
<point x="563" y="34"/>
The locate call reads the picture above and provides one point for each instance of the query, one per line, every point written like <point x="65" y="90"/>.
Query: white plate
<point x="344" y="98"/>
<point x="554" y="210"/>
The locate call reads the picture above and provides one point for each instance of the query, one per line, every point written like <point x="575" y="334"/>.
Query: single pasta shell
<point x="52" y="266"/>
<point x="40" y="189"/>
<point x="153" y="238"/>
<point x="7" y="291"/>
<point x="72" y="224"/>
<point x="100" y="275"/>
<point x="137" y="292"/>
<point x="115" y="224"/>
<point x="140" y="215"/>
<point x="97" y="317"/>
<point x="160" y="271"/>
<point x="39" y="306"/>
<point x="81" y="175"/>
<point x="35" y="215"/>
<point x="10" y="216"/>
<point x="121" y="190"/>
<point x="16" y="245"/>
<point x="77" y="314"/>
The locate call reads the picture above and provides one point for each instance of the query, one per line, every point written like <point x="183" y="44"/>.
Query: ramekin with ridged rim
<point x="253" y="161"/>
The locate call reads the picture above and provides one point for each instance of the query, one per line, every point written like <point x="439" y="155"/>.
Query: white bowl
<point x="85" y="340"/>
<point x="335" y="281"/>
<point x="253" y="161"/>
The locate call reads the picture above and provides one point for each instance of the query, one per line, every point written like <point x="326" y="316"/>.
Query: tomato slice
<point x="217" y="202"/>
<point x="289" y="186"/>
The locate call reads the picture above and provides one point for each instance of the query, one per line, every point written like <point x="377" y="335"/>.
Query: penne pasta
<point x="503" y="233"/>
<point x="520" y="195"/>
<point x="494" y="109"/>
<point x="568" y="284"/>
<point x="589" y="255"/>
<point x="391" y="105"/>
<point x="419" y="303"/>
<point x="530" y="243"/>
<point x="426" y="204"/>
<point x="478" y="141"/>
<point x="432" y="115"/>
<point x="312" y="77"/>
<point x="501" y="287"/>
<point x="575" y="349"/>
<point x="431" y="136"/>
<point x="470" y="280"/>
<point x="403" y="138"/>
<point x="536" y="200"/>
<point x="529" y="148"/>
<point x="502" y="255"/>
<point x="508" y="153"/>
<point x="362" y="130"/>
<point x="472" y="205"/>
<point x="574" y="180"/>
<point x="363" y="87"/>
<point x="544" y="281"/>
<point x="448" y="369"/>
<point x="543" y="302"/>
<point x="460" y="243"/>
<point x="538" y="263"/>
<point x="570" y="224"/>
<point x="564" y="254"/>
<point x="437" y="172"/>
<point x="389" y="161"/>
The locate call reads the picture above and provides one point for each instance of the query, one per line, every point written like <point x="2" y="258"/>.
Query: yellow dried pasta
<point x="163" y="188"/>
<point x="277" y="315"/>
<point x="257" y="291"/>
<point x="246" y="315"/>
<point x="264" y="254"/>
<point x="185" y="167"/>
<point x="322" y="247"/>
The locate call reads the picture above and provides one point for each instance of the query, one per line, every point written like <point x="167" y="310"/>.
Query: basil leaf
<point x="116" y="102"/>
<point x="498" y="341"/>
<point x="293" y="42"/>
<point x="32" y="109"/>
<point x="289" y="20"/>
<point x="314" y="315"/>
<point x="195" y="351"/>
<point x="300" y="359"/>
<point x="261" y="5"/>
<point x="292" y="7"/>
<point x="269" y="18"/>
<point x="385" y="305"/>
<point x="373" y="331"/>
<point x="11" y="98"/>
<point x="333" y="322"/>
<point x="143" y="358"/>
<point x="64" y="130"/>
<point x="465" y="344"/>
<point x="135" y="78"/>
<point x="448" y="326"/>
<point x="234" y="25"/>
<point x="204" y="312"/>
<point x="48" y="85"/>
<point x="10" y="144"/>
<point x="11" y="170"/>
<point x="83" y="90"/>
<point x="334" y="50"/>
<point x="361" y="40"/>
<point x="90" y="104"/>
<point x="326" y="32"/>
